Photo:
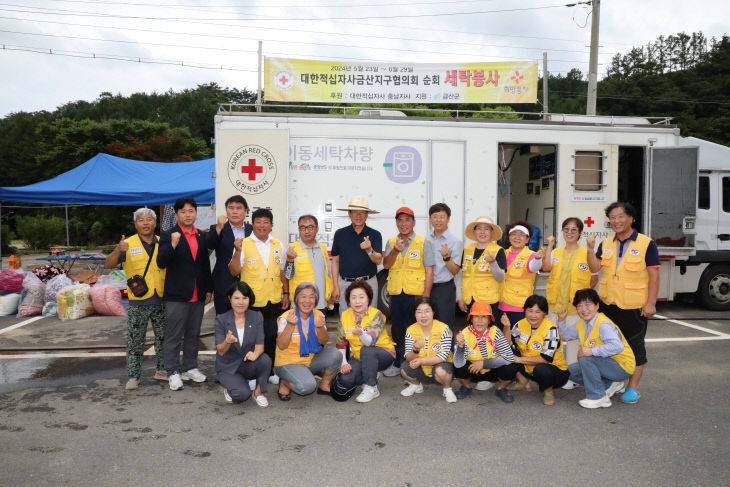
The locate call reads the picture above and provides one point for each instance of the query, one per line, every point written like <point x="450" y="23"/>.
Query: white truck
<point x="543" y="171"/>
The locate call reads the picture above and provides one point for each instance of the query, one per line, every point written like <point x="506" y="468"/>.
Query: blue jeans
<point x="302" y="376"/>
<point x="596" y="374"/>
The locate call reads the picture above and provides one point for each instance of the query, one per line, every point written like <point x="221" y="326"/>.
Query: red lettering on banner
<point x="451" y="77"/>
<point x="252" y="169"/>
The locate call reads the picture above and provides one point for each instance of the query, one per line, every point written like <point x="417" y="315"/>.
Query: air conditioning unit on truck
<point x="542" y="171"/>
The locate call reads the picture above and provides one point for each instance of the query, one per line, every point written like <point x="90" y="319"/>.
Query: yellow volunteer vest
<point x="432" y="346"/>
<point x="264" y="282"/>
<point x="530" y="342"/>
<point x="580" y="274"/>
<point x="135" y="260"/>
<point x="408" y="275"/>
<point x="626" y="285"/>
<point x="304" y="272"/>
<point x="518" y="281"/>
<point x="291" y="354"/>
<point x="625" y="358"/>
<point x="348" y="324"/>
<point x="477" y="281"/>
<point x="473" y="353"/>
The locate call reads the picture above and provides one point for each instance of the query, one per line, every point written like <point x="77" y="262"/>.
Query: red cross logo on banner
<point x="517" y="77"/>
<point x="589" y="221"/>
<point x="283" y="80"/>
<point x="252" y="169"/>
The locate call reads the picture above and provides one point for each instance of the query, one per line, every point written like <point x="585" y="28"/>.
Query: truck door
<point x="670" y="199"/>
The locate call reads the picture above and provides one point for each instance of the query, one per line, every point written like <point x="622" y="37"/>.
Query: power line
<point x="337" y="5"/>
<point x="46" y="11"/>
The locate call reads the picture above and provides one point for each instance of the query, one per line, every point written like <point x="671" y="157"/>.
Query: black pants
<point x="401" y="318"/>
<point x="632" y="325"/>
<point x="443" y="294"/>
<point x="506" y="372"/>
<point x="546" y="375"/>
<point x="270" y="312"/>
<point x="183" y="324"/>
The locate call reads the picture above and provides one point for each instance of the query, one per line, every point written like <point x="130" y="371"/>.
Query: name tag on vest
<point x="135" y="251"/>
<point x="301" y="256"/>
<point x="251" y="261"/>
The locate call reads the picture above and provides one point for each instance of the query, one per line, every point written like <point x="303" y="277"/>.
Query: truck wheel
<point x="383" y="296"/>
<point x="714" y="288"/>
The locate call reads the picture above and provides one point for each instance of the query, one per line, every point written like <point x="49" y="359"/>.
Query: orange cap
<point x="406" y="210"/>
<point x="480" y="308"/>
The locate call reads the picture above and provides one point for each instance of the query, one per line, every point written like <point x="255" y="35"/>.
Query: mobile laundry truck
<point x="542" y="171"/>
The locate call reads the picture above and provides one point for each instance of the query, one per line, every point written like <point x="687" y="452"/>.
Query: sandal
<point x="519" y="386"/>
<point x="283" y="397"/>
<point x="548" y="398"/>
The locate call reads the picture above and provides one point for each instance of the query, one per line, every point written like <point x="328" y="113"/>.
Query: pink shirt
<point x="193" y="243"/>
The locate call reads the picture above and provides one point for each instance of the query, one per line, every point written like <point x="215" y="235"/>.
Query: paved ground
<point x="67" y="420"/>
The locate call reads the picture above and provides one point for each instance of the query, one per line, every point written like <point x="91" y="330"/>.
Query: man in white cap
<point x="359" y="247"/>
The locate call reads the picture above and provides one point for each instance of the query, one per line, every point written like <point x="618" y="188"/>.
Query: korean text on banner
<point x="300" y="80"/>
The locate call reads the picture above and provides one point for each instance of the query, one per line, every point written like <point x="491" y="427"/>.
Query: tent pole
<point x="1" y="236"/>
<point x="68" y="241"/>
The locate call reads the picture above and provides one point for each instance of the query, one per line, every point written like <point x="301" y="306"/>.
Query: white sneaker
<point x="603" y="402"/>
<point x="194" y="375"/>
<point x="252" y="384"/>
<point x="274" y="379"/>
<point x="227" y="396"/>
<point x="175" y="382"/>
<point x="261" y="401"/>
<point x="570" y="385"/>
<point x="368" y="393"/>
<point x="392" y="371"/>
<point x="449" y="395"/>
<point x="484" y="385"/>
<point x="412" y="389"/>
<point x="618" y="386"/>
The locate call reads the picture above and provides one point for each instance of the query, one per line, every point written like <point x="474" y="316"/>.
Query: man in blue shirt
<point x="356" y="252"/>
<point x="447" y="250"/>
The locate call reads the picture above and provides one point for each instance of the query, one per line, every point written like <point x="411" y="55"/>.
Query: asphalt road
<point x="69" y="421"/>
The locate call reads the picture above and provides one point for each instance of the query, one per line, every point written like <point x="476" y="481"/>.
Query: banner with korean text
<point x="300" y="80"/>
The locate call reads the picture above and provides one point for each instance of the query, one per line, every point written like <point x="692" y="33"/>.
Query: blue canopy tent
<point x="109" y="180"/>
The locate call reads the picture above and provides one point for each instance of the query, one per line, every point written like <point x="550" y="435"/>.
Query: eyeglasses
<point x="570" y="230"/>
<point x="307" y="228"/>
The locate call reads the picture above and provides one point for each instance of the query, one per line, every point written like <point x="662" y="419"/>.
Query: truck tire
<point x="714" y="288"/>
<point x="383" y="296"/>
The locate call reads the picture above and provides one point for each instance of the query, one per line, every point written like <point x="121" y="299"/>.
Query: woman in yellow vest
<point x="539" y="352"/>
<point x="483" y="355"/>
<point x="522" y="267"/>
<point x="605" y="359"/>
<point x="362" y="329"/>
<point x="300" y="351"/>
<point x="482" y="266"/>
<point x="569" y="271"/>
<point x="428" y="351"/>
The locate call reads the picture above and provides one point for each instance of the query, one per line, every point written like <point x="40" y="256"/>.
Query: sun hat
<point x="359" y="203"/>
<point x="471" y="226"/>
<point x="480" y="308"/>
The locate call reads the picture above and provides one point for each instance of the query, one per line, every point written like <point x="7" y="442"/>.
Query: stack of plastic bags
<point x="11" y="285"/>
<point x="106" y="296"/>
<point x="74" y="302"/>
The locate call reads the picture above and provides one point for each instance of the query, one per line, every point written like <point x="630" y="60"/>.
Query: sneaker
<point x="504" y="395"/>
<point x="175" y="382"/>
<point x="132" y="384"/>
<point x="194" y="375"/>
<point x="617" y="386"/>
<point x="463" y="392"/>
<point x="631" y="396"/>
<point x="484" y="385"/>
<point x="274" y="379"/>
<point x="392" y="371"/>
<point x="261" y="401"/>
<point x="160" y="375"/>
<point x="603" y="402"/>
<point x="227" y="396"/>
<point x="368" y="393"/>
<point x="412" y="389"/>
<point x="449" y="395"/>
<point x="252" y="384"/>
<point x="570" y="385"/>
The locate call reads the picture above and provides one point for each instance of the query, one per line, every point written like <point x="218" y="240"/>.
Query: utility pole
<point x="545" y="76"/>
<point x="260" y="76"/>
<point x="593" y="61"/>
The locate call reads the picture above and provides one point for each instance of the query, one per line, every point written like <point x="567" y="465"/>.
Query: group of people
<point x="271" y="303"/>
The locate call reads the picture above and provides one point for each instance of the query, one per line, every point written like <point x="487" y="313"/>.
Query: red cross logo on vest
<point x="252" y="169"/>
<point x="589" y="221"/>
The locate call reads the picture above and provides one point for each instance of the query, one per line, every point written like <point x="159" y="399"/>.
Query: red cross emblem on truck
<point x="589" y="221"/>
<point x="252" y="169"/>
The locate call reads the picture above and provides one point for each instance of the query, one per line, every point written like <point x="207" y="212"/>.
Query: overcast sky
<point x="183" y="43"/>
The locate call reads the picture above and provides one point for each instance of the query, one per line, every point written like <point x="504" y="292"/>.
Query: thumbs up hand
<point x="123" y="245"/>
